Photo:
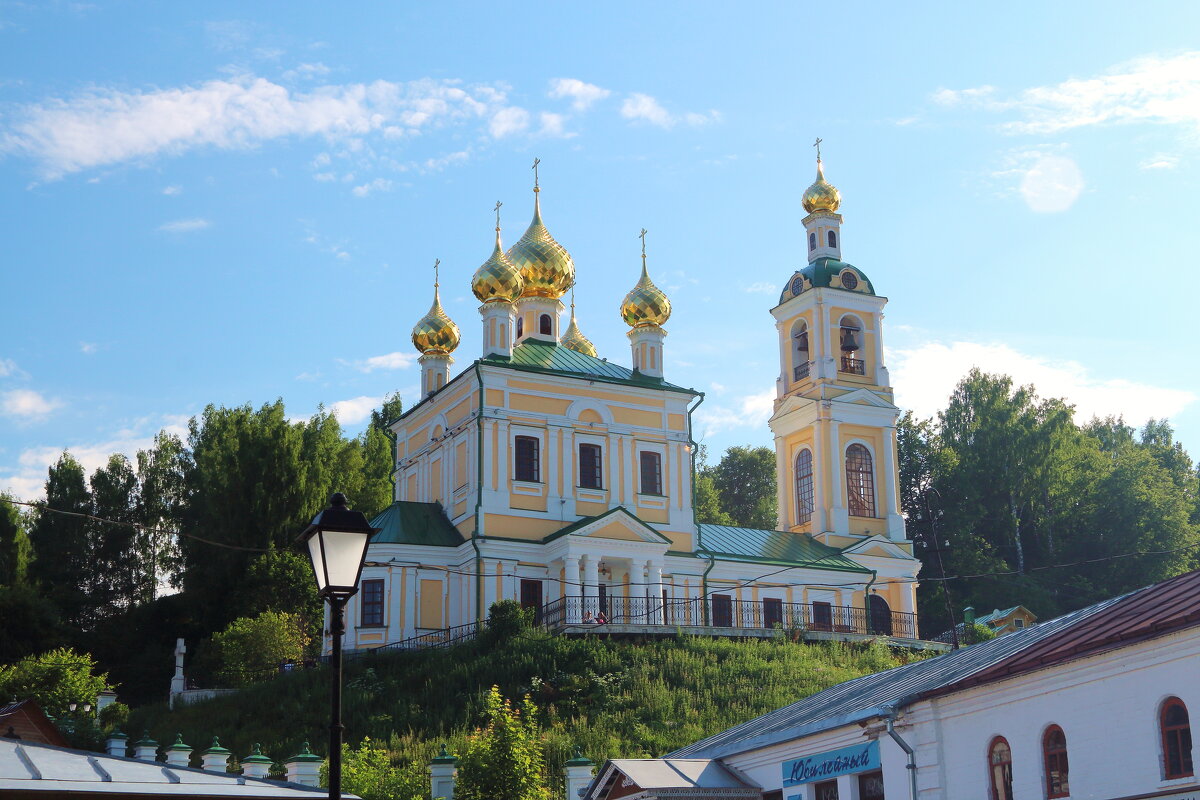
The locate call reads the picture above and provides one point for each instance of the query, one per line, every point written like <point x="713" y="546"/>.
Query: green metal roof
<point x="534" y="355"/>
<point x="752" y="544"/>
<point x="579" y="523"/>
<point x="404" y="522"/>
<point x="820" y="273"/>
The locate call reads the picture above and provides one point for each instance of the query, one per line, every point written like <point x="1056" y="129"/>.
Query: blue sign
<point x="825" y="766"/>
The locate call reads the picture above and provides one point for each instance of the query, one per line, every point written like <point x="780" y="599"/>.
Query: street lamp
<point x="337" y="546"/>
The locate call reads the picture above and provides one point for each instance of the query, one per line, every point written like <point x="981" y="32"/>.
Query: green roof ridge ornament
<point x="305" y="754"/>
<point x="580" y="760"/>
<point x="179" y="746"/>
<point x="257" y="757"/>
<point x="145" y="741"/>
<point x="215" y="747"/>
<point x="444" y="757"/>
<point x="116" y="734"/>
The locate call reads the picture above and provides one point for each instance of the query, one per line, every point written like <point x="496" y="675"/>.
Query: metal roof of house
<point x="405" y="522"/>
<point x="996" y="614"/>
<point x="1148" y="612"/>
<point x="678" y="777"/>
<point x="534" y="355"/>
<point x="29" y="768"/>
<point x="753" y="544"/>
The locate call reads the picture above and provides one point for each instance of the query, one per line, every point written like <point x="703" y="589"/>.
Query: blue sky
<point x="228" y="203"/>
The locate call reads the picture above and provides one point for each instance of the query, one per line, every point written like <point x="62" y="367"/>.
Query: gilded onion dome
<point x="498" y="280"/>
<point x="436" y="334"/>
<point x="574" y="339"/>
<point x="645" y="304"/>
<point x="822" y="195"/>
<point x="545" y="264"/>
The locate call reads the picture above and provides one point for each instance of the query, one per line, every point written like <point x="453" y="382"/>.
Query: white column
<point x="654" y="589"/>
<point x="630" y="472"/>
<point x="895" y="522"/>
<point x="569" y="455"/>
<point x="503" y="461"/>
<point x="410" y="602"/>
<point x="882" y="377"/>
<point x="591" y="581"/>
<point x="785" y="510"/>
<point x="572" y="591"/>
<point x="785" y="349"/>
<point x="820" y="477"/>
<point x="841" y="515"/>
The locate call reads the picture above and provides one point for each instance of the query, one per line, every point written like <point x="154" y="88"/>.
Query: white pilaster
<point x="841" y="515"/>
<point x="572" y="590"/>
<point x="895" y="522"/>
<point x="591" y="583"/>
<point x="654" y="589"/>
<point x="820" y="522"/>
<point x="785" y="511"/>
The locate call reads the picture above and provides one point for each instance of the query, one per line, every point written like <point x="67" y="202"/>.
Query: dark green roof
<point x="534" y="355"/>
<point x="821" y="273"/>
<point x="404" y="522"/>
<point x="752" y="544"/>
<point x="579" y="523"/>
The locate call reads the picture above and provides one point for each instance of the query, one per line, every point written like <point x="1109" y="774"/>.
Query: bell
<point x="802" y="341"/>
<point x="848" y="343"/>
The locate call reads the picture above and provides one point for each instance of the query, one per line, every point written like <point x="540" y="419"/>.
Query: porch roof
<point x="405" y="522"/>
<point x="777" y="547"/>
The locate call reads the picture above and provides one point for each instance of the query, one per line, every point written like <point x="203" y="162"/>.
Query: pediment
<point x="617" y="524"/>
<point x="865" y="397"/>
<point x="877" y="546"/>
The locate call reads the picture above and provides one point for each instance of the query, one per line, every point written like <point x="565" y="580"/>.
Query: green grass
<point x="609" y="698"/>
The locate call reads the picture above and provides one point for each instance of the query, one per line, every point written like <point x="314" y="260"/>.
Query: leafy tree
<point x="61" y="543"/>
<point x="251" y="649"/>
<point x="120" y="574"/>
<point x="369" y="772"/>
<point x="27" y="623"/>
<point x="282" y="581"/>
<point x="706" y="502"/>
<point x="15" y="550"/>
<point x="55" y="679"/>
<point x="162" y="474"/>
<point x="745" y="483"/>
<point x="378" y="454"/>
<point x="505" y="758"/>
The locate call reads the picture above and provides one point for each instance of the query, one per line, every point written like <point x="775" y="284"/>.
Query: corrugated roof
<point x="537" y="356"/>
<point x="871" y="695"/>
<point x="678" y="773"/>
<point x="773" y="546"/>
<point x="986" y="618"/>
<point x="405" y="522"/>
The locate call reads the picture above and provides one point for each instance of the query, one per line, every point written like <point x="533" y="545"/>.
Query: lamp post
<point x="337" y="541"/>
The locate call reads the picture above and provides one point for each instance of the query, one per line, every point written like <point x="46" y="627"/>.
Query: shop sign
<point x="825" y="766"/>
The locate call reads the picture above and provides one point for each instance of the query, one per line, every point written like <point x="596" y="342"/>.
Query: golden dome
<point x="574" y="339"/>
<point x="821" y="196"/>
<point x="436" y="334"/>
<point x="645" y="304"/>
<point x="498" y="280"/>
<point x="545" y="264"/>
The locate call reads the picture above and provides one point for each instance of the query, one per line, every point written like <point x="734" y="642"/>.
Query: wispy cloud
<point x="761" y="287"/>
<point x="184" y="225"/>
<point x="1046" y="178"/>
<point x="1160" y="161"/>
<point x="377" y="185"/>
<point x="926" y="375"/>
<point x="639" y="107"/>
<point x="355" y="410"/>
<point x="88" y="348"/>
<point x="508" y="121"/>
<point x="747" y="411"/>
<point x="582" y="95"/>
<point x="170" y="191"/>
<point x="27" y="404"/>
<point x="1151" y="89"/>
<point x="396" y="360"/>
<point x="8" y="367"/>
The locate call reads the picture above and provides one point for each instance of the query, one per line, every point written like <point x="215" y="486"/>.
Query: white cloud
<point x="88" y="348"/>
<point x="582" y="95"/>
<point x="1052" y="184"/>
<point x="644" y="108"/>
<point x="747" y="411"/>
<point x="184" y="225"/>
<point x="109" y="126"/>
<point x="926" y="375"/>
<point x="27" y="404"/>
<point x="1160" y="161"/>
<point x="761" y="287"/>
<point x="397" y="360"/>
<point x="1151" y="89"/>
<point x="355" y="410"/>
<point x="7" y="367"/>
<point x="172" y="190"/>
<point x="508" y="121"/>
<point x="306" y="71"/>
<point x="552" y="125"/>
<point x="377" y="185"/>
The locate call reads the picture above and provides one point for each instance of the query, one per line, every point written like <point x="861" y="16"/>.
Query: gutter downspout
<point x="712" y="560"/>
<point x="475" y="534"/>
<point x="692" y="443"/>
<point x="704" y="602"/>
<point x="912" y="757"/>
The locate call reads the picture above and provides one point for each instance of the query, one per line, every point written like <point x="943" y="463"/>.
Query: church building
<point x="547" y="474"/>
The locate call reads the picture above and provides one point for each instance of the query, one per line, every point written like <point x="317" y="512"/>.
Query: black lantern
<point x="337" y="545"/>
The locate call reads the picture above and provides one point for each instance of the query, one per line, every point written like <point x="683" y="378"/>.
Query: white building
<point x="1093" y="705"/>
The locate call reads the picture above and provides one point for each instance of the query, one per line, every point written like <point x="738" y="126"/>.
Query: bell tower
<point x="834" y="419"/>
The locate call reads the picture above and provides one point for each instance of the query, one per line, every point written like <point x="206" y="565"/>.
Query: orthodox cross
<point x="497" y="209"/>
<point x="536" y="161"/>
<point x="817" y="144"/>
<point x="436" y="262"/>
<point x="642" y="236"/>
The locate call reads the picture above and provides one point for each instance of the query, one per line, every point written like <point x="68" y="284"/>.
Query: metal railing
<point x="854" y="366"/>
<point x="800" y="371"/>
<point x="443" y="637"/>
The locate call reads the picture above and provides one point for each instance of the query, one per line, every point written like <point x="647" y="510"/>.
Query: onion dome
<point x="827" y="272"/>
<point x="821" y="196"/>
<point x="645" y="304"/>
<point x="574" y="339"/>
<point x="498" y="280"/>
<point x="545" y="264"/>
<point x="436" y="334"/>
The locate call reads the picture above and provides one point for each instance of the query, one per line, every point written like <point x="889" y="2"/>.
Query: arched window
<point x="1000" y="768"/>
<point x="1176" y="739"/>
<point x="1054" y="750"/>
<point x="860" y="481"/>
<point x="545" y="327"/>
<point x="812" y="241"/>
<point x="832" y="239"/>
<point x="804" y="487"/>
<point x="520" y="327"/>
<point x="850" y="341"/>
<point x="881" y="616"/>
<point x="800" y="359"/>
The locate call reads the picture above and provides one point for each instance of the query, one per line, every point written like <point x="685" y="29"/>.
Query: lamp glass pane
<point x="318" y="562"/>
<point x="343" y="556"/>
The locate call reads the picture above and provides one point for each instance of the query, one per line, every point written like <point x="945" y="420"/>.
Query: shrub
<point x="368" y="772"/>
<point x="505" y="758"/>
<point x="507" y="618"/>
<point x="252" y="649"/>
<point x="55" y="679"/>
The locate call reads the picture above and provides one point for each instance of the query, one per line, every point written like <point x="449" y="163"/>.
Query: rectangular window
<point x="372" y="604"/>
<point x="870" y="786"/>
<point x="651" y="472"/>
<point x="526" y="467"/>
<point x="826" y="790"/>
<point x="590" y="471"/>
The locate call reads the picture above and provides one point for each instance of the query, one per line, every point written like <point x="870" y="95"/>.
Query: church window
<point x="372" y="604"/>
<point x="590" y="470"/>
<point x="526" y="467"/>
<point x="881" y="616"/>
<point x="804" y="487"/>
<point x="797" y="285"/>
<point x="1000" y="768"/>
<point x="651" y="472"/>
<point x="860" y="481"/>
<point x="1054" y="748"/>
<point x="849" y="279"/>
<point x="832" y="239"/>
<point x="812" y="241"/>
<point x="520" y="327"/>
<point x="800" y="360"/>
<point x="544" y="325"/>
<point x="1176" y="732"/>
<point x="850" y="341"/>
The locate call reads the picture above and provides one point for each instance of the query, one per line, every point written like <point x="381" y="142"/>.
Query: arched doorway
<point x="881" y="616"/>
